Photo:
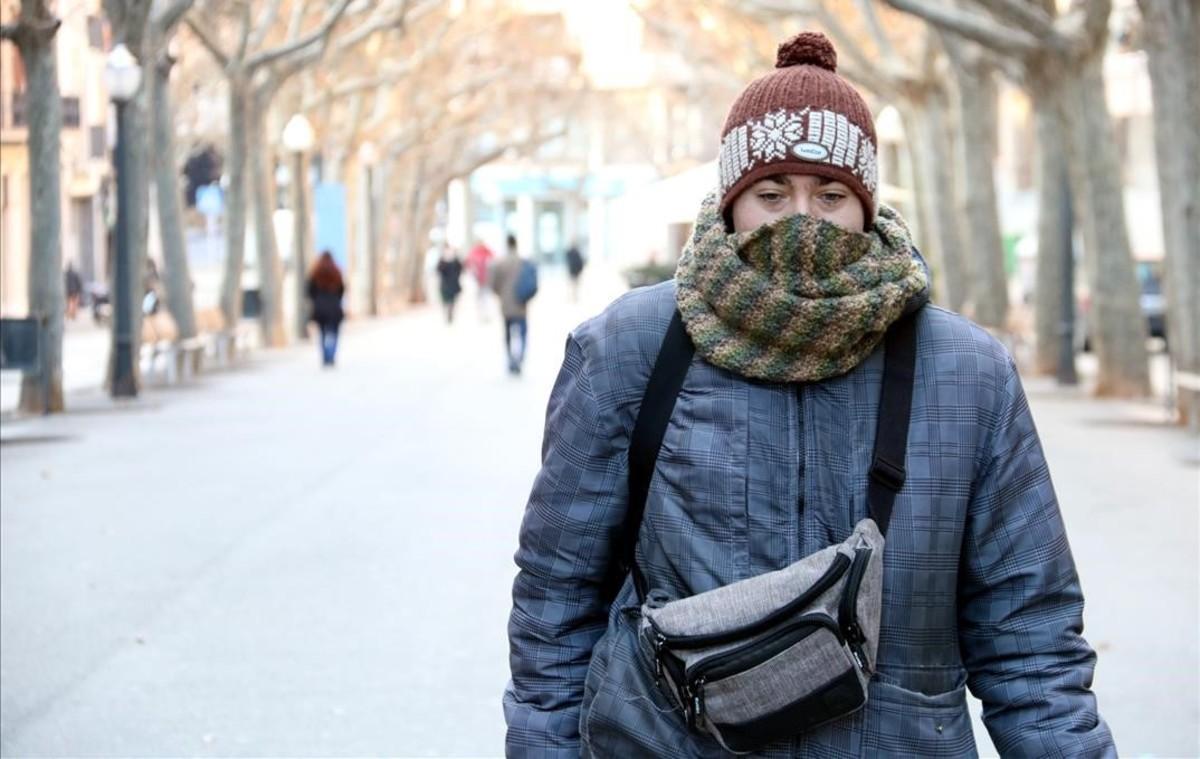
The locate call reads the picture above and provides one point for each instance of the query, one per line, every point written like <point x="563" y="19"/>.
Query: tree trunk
<point x="262" y="179"/>
<point x="1115" y="322"/>
<point x="1048" y="293"/>
<point x="419" y="211"/>
<point x="46" y="299"/>
<point x="936" y="167"/>
<point x="1173" y="44"/>
<point x="235" y="203"/>
<point x="976" y="147"/>
<point x="176" y="275"/>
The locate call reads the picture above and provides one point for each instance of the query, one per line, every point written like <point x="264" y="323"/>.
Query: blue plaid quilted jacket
<point x="980" y="589"/>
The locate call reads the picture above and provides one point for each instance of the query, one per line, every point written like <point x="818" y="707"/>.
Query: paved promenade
<point x="283" y="561"/>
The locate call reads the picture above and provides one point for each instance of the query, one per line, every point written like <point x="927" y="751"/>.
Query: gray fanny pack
<point x="768" y="657"/>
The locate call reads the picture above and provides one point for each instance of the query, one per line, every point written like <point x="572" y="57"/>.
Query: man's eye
<point x="831" y="198"/>
<point x="771" y="197"/>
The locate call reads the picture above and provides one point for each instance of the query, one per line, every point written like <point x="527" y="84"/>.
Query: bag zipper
<point x="718" y="667"/>
<point x="840" y="564"/>
<point x="712" y="669"/>
<point x="848" y="608"/>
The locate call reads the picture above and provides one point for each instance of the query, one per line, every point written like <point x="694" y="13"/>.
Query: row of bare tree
<point x="938" y="63"/>
<point x="441" y="87"/>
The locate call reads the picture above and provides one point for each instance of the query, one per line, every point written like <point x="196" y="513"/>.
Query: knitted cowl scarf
<point x="798" y="300"/>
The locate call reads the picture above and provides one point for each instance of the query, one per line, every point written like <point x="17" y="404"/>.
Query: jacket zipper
<point x="827" y="580"/>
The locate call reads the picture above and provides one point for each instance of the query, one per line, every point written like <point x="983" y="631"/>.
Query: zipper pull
<point x="659" y="641"/>
<point x="697" y="701"/>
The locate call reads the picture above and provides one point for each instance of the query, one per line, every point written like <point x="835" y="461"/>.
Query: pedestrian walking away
<point x="449" y="270"/>
<point x="514" y="280"/>
<point x="575" y="264"/>
<point x="73" y="284"/>
<point x="325" y="291"/>
<point x="785" y="504"/>
<point x="479" y="261"/>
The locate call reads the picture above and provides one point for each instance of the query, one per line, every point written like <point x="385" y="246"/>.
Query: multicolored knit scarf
<point x="794" y="301"/>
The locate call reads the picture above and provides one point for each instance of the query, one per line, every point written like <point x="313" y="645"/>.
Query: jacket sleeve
<point x="573" y="514"/>
<point x="1020" y="602"/>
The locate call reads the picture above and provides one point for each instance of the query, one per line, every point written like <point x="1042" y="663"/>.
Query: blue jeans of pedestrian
<point x="516" y="356"/>
<point x="329" y="342"/>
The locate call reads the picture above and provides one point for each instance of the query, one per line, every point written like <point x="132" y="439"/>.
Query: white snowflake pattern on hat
<point x="771" y="137"/>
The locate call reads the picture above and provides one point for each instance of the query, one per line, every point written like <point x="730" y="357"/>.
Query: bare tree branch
<point x="265" y="20"/>
<point x="165" y="14"/>
<point x="9" y="31"/>
<point x="972" y="26"/>
<point x="1024" y="15"/>
<point x="208" y="41"/>
<point x="867" y="8"/>
<point x="244" y="39"/>
<point x="270" y="56"/>
<point x="296" y="20"/>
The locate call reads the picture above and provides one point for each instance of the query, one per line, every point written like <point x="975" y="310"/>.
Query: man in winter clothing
<point x="791" y="278"/>
<point x="504" y="277"/>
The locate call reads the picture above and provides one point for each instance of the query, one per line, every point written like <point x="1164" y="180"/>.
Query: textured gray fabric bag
<point x="771" y="656"/>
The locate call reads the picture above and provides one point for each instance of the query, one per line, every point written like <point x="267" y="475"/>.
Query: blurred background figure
<point x="515" y="281"/>
<point x="479" y="260"/>
<point x="151" y="288"/>
<point x="575" y="264"/>
<point x="74" y="287"/>
<point x="325" y="290"/>
<point x="449" y="271"/>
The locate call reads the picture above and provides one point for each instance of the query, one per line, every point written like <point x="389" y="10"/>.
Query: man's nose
<point x="800" y="204"/>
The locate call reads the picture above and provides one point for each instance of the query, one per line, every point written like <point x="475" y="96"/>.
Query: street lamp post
<point x="298" y="139"/>
<point x="123" y="76"/>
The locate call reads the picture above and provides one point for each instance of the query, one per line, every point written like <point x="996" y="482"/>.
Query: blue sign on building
<point x="329" y="210"/>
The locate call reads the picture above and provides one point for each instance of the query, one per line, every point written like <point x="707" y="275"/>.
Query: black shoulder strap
<point x="675" y="356"/>
<point x="671" y="366"/>
<point x="891" y="428"/>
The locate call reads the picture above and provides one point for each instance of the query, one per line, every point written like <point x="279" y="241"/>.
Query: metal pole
<point x="300" y="243"/>
<point x="124" y="384"/>
<point x="1066" y="354"/>
<point x="372" y="256"/>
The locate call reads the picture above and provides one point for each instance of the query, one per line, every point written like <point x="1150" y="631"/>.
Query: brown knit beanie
<point x="801" y="118"/>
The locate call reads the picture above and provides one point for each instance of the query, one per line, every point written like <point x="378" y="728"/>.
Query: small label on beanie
<point x="811" y="151"/>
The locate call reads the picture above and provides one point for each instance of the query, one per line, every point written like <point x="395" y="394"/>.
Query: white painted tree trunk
<point x="1172" y="30"/>
<point x="46" y="298"/>
<point x="262" y="180"/>
<point x="235" y="203"/>
<point x="1116" y="325"/>
<point x="984" y="250"/>
<point x="937" y="194"/>
<point x="1048" y="293"/>
<point x="176" y="274"/>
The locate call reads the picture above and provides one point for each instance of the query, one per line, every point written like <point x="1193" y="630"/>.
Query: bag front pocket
<point x="793" y="679"/>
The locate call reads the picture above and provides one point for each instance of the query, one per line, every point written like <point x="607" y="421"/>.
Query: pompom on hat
<point x="802" y="118"/>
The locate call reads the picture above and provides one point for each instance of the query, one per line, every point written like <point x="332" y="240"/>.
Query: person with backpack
<point x="785" y="504"/>
<point x="515" y="281"/>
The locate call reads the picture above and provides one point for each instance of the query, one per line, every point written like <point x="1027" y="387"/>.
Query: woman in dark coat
<point x="449" y="270"/>
<point x="325" y="290"/>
